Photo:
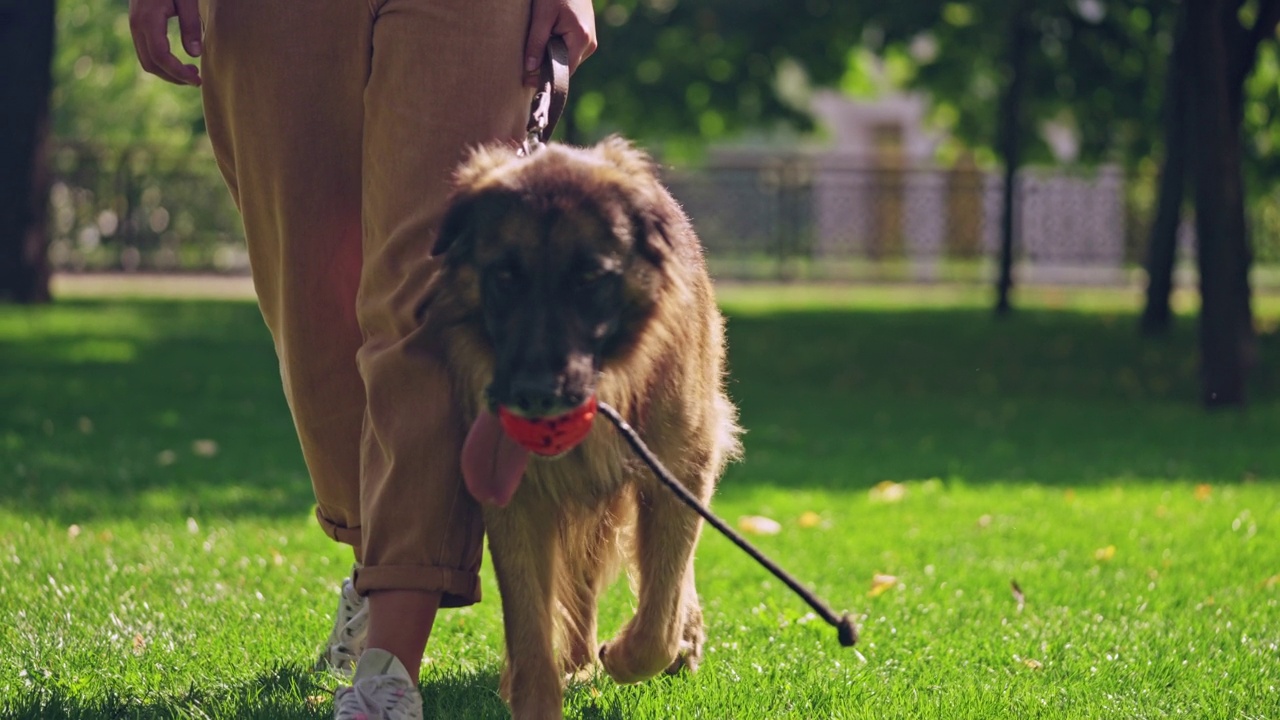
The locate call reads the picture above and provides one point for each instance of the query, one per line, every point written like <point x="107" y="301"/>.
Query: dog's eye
<point x="504" y="278"/>
<point x="590" y="278"/>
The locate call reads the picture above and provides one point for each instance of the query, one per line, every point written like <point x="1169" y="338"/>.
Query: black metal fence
<point x="141" y="209"/>
<point x="759" y="215"/>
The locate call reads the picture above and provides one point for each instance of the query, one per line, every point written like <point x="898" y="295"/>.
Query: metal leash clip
<point x="549" y="101"/>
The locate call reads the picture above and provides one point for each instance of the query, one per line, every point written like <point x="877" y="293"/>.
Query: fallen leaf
<point x="1203" y="491"/>
<point x="139" y="644"/>
<point x="1271" y="582"/>
<point x="881" y="583"/>
<point x="1033" y="663"/>
<point x="810" y="519"/>
<point x="205" y="448"/>
<point x="1017" y="594"/>
<point x="315" y="701"/>
<point x="1104" y="554"/>
<point x="759" y="525"/>
<point x="888" y="491"/>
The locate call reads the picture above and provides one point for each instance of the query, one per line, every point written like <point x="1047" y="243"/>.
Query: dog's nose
<point x="536" y="395"/>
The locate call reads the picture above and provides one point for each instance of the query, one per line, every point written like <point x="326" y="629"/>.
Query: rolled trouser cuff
<point x="341" y="533"/>
<point x="458" y="588"/>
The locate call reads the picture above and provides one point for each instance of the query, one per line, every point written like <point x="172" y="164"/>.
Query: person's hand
<point x="574" y="20"/>
<point x="149" y="23"/>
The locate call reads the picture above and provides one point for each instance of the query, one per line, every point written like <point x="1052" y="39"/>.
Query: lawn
<point x="1031" y="518"/>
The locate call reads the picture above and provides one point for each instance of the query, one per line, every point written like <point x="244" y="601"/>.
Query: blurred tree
<point x="1162" y="243"/>
<point x="127" y="143"/>
<point x="102" y="97"/>
<point x="1254" y="94"/>
<point x="1009" y="140"/>
<point x="1225" y="38"/>
<point x="680" y="73"/>
<point x="26" y="46"/>
<point x="1003" y="74"/>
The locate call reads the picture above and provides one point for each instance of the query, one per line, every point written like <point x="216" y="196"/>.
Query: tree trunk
<point x="1242" y="44"/>
<point x="26" y="53"/>
<point x="1162" y="246"/>
<point x="1010" y="146"/>
<point x="1225" y="318"/>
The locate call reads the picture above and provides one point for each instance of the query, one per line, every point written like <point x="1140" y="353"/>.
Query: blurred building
<point x="872" y="196"/>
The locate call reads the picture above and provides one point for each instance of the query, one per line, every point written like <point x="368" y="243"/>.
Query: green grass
<point x="158" y="558"/>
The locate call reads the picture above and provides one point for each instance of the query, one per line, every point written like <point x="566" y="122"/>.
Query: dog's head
<point x="562" y="254"/>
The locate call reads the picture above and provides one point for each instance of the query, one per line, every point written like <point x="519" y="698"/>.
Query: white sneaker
<point x="350" y="631"/>
<point x="380" y="690"/>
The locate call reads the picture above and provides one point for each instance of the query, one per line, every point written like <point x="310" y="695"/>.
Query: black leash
<point x="843" y="624"/>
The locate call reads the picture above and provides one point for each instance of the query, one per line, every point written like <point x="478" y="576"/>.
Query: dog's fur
<point x="569" y="273"/>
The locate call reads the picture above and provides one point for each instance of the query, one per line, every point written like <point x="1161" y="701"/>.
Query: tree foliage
<point x="686" y="72"/>
<point x="1094" y="70"/>
<point x="101" y="94"/>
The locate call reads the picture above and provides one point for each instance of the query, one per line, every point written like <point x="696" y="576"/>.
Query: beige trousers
<point x="337" y="124"/>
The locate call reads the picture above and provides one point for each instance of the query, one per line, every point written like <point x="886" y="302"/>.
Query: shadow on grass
<point x="137" y="408"/>
<point x="174" y="408"/>
<point x="848" y="399"/>
<point x="289" y="693"/>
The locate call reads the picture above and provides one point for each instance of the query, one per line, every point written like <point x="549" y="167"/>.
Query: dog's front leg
<point x="666" y="632"/>
<point x="522" y="542"/>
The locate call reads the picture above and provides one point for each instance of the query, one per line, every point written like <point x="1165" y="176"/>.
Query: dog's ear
<point x="480" y="170"/>
<point x="654" y="225"/>
<point x="655" y="215"/>
<point x="456" y="227"/>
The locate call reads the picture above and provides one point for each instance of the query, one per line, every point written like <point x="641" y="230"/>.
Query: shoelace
<point x="343" y="653"/>
<point x="346" y="641"/>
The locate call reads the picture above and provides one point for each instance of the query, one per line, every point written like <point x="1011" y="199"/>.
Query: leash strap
<point x="846" y="631"/>
<point x="549" y="101"/>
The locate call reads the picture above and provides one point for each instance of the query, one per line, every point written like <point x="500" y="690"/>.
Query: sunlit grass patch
<point x="1031" y="518"/>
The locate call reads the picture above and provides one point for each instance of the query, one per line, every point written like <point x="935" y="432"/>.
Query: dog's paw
<point x="629" y="661"/>
<point x="689" y="656"/>
<point x="583" y="675"/>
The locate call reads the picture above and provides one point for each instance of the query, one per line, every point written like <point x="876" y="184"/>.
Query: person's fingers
<point x="172" y="67"/>
<point x="149" y="26"/>
<point x="535" y="46"/>
<point x="140" y="28"/>
<point x="189" y="25"/>
<point x="579" y="39"/>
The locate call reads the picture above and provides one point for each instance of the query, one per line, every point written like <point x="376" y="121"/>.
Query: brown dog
<point x="569" y="274"/>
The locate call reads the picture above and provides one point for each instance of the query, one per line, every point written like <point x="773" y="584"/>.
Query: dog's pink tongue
<point x="492" y="463"/>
